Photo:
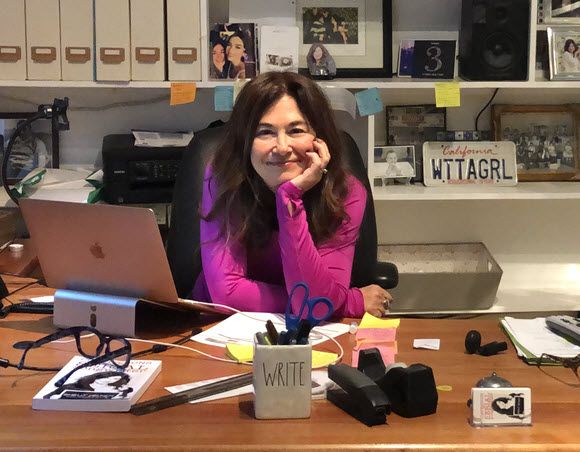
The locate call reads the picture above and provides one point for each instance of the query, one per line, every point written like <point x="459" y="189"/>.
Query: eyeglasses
<point x="570" y="363"/>
<point x="109" y="348"/>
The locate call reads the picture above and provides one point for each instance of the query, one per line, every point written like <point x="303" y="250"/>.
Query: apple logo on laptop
<point x="97" y="250"/>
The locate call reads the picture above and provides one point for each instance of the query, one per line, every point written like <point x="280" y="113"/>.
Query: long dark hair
<point x="244" y="204"/>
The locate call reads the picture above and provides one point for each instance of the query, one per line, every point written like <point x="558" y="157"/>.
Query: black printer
<point x="134" y="174"/>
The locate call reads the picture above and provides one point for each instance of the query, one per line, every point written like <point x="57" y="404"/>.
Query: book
<point x="103" y="387"/>
<point x="532" y="338"/>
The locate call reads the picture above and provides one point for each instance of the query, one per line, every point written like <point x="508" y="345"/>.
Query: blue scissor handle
<point x="308" y="303"/>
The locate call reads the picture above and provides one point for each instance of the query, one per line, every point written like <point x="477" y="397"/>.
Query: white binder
<point x="43" y="39"/>
<point x="112" y="40"/>
<point x="12" y="40"/>
<point x="77" y="39"/>
<point x="147" y="40"/>
<point x="183" y="40"/>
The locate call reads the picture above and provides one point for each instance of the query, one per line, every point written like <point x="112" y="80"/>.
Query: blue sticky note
<point x="369" y="102"/>
<point x="223" y="98"/>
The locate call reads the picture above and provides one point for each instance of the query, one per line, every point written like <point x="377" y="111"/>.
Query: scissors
<point x="309" y="304"/>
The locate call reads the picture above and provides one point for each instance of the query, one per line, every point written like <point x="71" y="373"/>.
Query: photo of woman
<point x="233" y="51"/>
<point x="321" y="65"/>
<point x="570" y="60"/>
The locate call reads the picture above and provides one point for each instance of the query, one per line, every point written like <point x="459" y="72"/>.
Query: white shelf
<point x="522" y="191"/>
<point x="394" y="83"/>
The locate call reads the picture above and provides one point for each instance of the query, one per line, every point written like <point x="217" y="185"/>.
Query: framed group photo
<point x="564" y="53"/>
<point x="355" y="33"/>
<point x="560" y="11"/>
<point x="32" y="148"/>
<point x="546" y="139"/>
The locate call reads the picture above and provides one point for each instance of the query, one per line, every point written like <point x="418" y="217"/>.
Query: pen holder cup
<point x="282" y="381"/>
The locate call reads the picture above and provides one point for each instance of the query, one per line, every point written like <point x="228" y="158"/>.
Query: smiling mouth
<point x="284" y="163"/>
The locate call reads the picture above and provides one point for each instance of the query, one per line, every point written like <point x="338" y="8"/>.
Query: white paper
<point x="278" y="48"/>
<point x="341" y="99"/>
<point x="240" y="329"/>
<point x="145" y="138"/>
<point x="263" y="12"/>
<point x="429" y="344"/>
<point x="537" y="338"/>
<point x="320" y="384"/>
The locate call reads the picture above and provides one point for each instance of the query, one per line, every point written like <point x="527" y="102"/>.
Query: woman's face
<point x="317" y="54"/>
<point x="571" y="47"/>
<point x="282" y="139"/>
<point x="235" y="49"/>
<point x="218" y="55"/>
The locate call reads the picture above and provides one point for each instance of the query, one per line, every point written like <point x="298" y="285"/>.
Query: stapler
<point x="411" y="390"/>
<point x="359" y="396"/>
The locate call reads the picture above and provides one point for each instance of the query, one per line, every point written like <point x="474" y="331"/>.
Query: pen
<point x="261" y="339"/>
<point x="272" y="332"/>
<point x="302" y="333"/>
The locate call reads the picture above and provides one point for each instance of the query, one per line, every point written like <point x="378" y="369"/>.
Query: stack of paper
<point x="532" y="338"/>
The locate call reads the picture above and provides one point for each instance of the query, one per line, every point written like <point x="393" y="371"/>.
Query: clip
<point x="360" y="396"/>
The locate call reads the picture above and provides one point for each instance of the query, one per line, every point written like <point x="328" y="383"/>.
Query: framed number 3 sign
<point x="434" y="59"/>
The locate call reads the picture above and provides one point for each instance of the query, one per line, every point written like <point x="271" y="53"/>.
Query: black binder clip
<point x="359" y="396"/>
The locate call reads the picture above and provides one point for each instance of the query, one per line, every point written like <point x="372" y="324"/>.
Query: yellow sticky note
<point x="245" y="353"/>
<point x="322" y="359"/>
<point x="182" y="93"/>
<point x="241" y="353"/>
<point x="447" y="94"/>
<point x="238" y="85"/>
<point x="369" y="321"/>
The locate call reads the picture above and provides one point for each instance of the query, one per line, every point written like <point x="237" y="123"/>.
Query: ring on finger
<point x="386" y="304"/>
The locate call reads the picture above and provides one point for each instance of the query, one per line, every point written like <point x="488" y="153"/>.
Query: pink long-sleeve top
<point x="260" y="280"/>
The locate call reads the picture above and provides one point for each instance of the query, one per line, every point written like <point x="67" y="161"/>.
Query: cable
<point x="483" y="109"/>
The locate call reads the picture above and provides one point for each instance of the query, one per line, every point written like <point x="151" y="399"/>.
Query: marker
<point x="272" y="332"/>
<point x="261" y="339"/>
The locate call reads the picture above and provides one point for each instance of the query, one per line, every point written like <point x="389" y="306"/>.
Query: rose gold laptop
<point x="100" y="248"/>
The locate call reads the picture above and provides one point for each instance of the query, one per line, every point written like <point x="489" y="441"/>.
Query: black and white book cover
<point x="103" y="387"/>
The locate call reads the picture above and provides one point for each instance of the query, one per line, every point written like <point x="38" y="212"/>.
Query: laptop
<point x="100" y="248"/>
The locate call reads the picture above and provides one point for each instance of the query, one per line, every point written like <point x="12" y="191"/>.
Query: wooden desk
<point x="229" y="424"/>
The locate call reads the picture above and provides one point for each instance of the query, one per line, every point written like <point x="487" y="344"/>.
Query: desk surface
<point x="229" y="424"/>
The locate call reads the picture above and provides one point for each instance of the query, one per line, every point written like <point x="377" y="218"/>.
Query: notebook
<point x="100" y="248"/>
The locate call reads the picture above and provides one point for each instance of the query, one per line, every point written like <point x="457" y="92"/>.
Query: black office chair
<point x="183" y="249"/>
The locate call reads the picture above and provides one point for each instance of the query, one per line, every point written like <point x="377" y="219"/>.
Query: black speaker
<point x="494" y="39"/>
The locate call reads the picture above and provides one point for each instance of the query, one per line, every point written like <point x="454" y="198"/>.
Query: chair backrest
<point x="183" y="249"/>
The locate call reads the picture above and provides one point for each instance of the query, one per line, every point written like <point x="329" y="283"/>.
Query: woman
<point x="320" y="63"/>
<point x="218" y="58"/>
<point x="570" y="62"/>
<point x="279" y="207"/>
<point x="239" y="66"/>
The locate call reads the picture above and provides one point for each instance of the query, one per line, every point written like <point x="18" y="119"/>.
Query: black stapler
<point x="359" y="396"/>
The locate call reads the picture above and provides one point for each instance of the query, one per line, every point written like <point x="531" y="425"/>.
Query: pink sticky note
<point x="377" y="334"/>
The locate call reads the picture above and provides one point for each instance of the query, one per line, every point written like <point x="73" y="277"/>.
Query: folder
<point x="112" y="40"/>
<point x="183" y="39"/>
<point x="77" y="39"/>
<point x="12" y="40"/>
<point x="147" y="40"/>
<point x="43" y="39"/>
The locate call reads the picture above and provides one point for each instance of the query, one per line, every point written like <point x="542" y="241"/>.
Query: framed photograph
<point x="356" y="33"/>
<point x="233" y="51"/>
<point x="31" y="150"/>
<point x="392" y="164"/>
<point x="412" y="125"/>
<point x="560" y="11"/>
<point x="546" y="139"/>
<point x="564" y="53"/>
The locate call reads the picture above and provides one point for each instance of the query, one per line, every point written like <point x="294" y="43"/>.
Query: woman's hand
<point x="318" y="157"/>
<point x="377" y="300"/>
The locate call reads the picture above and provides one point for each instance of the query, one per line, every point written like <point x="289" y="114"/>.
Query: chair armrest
<point x="386" y="275"/>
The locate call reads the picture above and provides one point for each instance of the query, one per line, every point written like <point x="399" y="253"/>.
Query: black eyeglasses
<point x="109" y="348"/>
<point x="570" y="363"/>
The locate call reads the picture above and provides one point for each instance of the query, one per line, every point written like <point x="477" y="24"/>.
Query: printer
<point x="138" y="175"/>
